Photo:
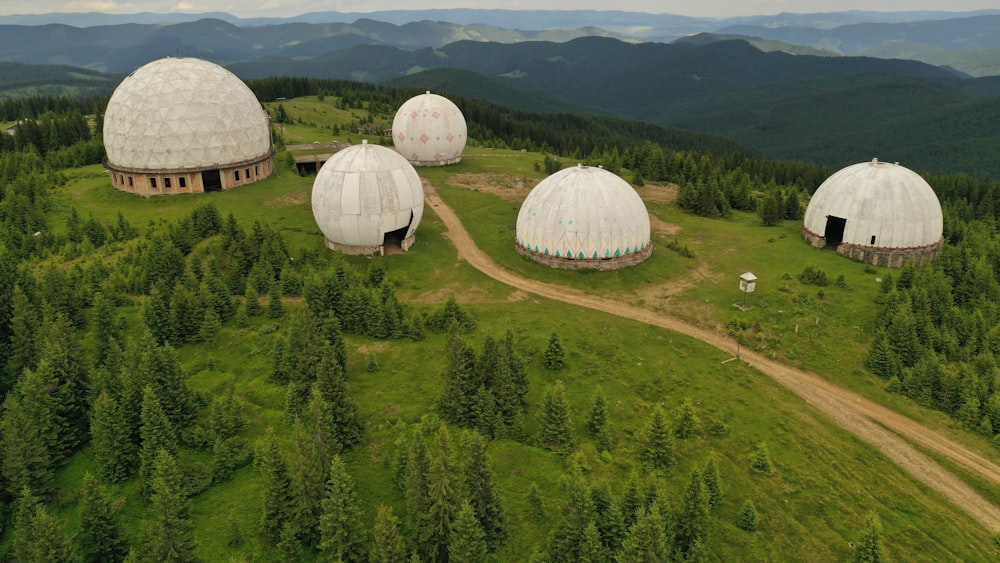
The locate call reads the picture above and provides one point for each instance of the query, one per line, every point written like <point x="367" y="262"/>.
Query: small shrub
<point x="813" y="275"/>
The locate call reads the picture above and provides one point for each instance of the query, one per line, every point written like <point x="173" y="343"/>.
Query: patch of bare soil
<point x="661" y="227"/>
<point x="659" y="194"/>
<point x="288" y="200"/>
<point x="507" y="187"/>
<point x="874" y="423"/>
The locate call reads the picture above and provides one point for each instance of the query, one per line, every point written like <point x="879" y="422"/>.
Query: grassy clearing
<point x="811" y="508"/>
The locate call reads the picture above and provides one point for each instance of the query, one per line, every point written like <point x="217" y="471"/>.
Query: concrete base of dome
<point x="879" y="255"/>
<point x="148" y="183"/>
<point x="602" y="264"/>
<point x="356" y="250"/>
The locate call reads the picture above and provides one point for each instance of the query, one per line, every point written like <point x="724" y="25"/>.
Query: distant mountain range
<point x="816" y="104"/>
<point x="968" y="42"/>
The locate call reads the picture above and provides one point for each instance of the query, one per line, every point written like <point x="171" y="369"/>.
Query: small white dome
<point x="583" y="214"/>
<point x="363" y="193"/>
<point x="429" y="130"/>
<point x="875" y="204"/>
<point x="182" y="113"/>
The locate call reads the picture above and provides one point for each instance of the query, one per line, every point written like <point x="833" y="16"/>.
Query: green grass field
<point x="826" y="480"/>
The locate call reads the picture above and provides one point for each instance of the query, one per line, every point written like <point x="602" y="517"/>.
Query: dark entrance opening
<point x="211" y="180"/>
<point x="393" y="240"/>
<point x="834" y="231"/>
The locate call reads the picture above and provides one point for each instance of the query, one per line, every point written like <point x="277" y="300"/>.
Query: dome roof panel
<point x="181" y="103"/>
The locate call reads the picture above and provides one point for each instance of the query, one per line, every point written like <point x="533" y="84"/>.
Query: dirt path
<point x="870" y="421"/>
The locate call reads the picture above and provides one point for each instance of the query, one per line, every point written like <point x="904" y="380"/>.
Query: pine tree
<point x="37" y="536"/>
<point x="555" y="433"/>
<point x="61" y="367"/>
<point x="274" y="307"/>
<point x="646" y="539"/>
<point x="536" y="507"/>
<point x="442" y="501"/>
<point x="483" y="496"/>
<point x="746" y="520"/>
<point x="210" y="326"/>
<point x="761" y="461"/>
<point x="341" y="531"/>
<point x="467" y="542"/>
<point x="277" y="508"/>
<point x="461" y="384"/>
<point x="110" y="439"/>
<point x="712" y="481"/>
<point x="156" y="315"/>
<point x="24" y="327"/>
<point x="387" y="544"/>
<point x="27" y="432"/>
<point x="169" y="535"/>
<point x="687" y="424"/>
<point x="518" y="378"/>
<point x="290" y="544"/>
<point x="592" y="549"/>
<point x="576" y="514"/>
<point x="100" y="537"/>
<point x="157" y="434"/>
<point x="331" y="382"/>
<point x="308" y="472"/>
<point x="554" y="357"/>
<point x="608" y="519"/>
<point x="104" y="327"/>
<point x="597" y="421"/>
<point x="252" y="303"/>
<point x="869" y="547"/>
<point x="656" y="441"/>
<point x="691" y="523"/>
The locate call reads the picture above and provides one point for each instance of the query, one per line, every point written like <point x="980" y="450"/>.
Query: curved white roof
<point x="179" y="113"/>
<point x="429" y="130"/>
<point x="583" y="213"/>
<point x="365" y="191"/>
<point x="886" y="201"/>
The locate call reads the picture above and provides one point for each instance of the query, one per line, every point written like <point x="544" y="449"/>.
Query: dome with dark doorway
<point x="181" y="125"/>
<point x="877" y="212"/>
<point x="366" y="197"/>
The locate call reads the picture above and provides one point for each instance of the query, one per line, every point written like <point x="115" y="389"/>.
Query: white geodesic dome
<point x="362" y="194"/>
<point x="184" y="113"/>
<point x="583" y="214"/>
<point x="429" y="130"/>
<point x="881" y="203"/>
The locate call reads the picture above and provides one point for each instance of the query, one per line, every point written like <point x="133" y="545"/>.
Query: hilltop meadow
<point x="236" y="407"/>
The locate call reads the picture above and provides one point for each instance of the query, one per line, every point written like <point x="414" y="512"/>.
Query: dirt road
<point x="870" y="421"/>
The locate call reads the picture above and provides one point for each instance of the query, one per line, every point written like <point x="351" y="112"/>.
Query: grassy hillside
<point x="811" y="508"/>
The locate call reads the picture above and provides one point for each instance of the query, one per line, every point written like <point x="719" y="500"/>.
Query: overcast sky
<point x="284" y="8"/>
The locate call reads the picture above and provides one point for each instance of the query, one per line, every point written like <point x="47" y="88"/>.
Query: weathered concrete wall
<point x="880" y="255"/>
<point x="169" y="182"/>
<point x="605" y="264"/>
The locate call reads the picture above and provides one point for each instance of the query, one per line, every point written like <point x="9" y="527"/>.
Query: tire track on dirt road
<point x="874" y="423"/>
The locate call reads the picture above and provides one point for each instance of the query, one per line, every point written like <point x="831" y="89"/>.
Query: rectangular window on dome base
<point x="182" y="182"/>
<point x="236" y="174"/>
<point x="873" y="239"/>
<point x="152" y="182"/>
<point x="166" y="183"/>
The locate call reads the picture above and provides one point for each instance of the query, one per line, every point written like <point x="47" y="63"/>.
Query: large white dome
<point x="877" y="212"/>
<point x="429" y="130"/>
<point x="583" y="216"/>
<point x="883" y="204"/>
<point x="364" y="193"/>
<point x="183" y="113"/>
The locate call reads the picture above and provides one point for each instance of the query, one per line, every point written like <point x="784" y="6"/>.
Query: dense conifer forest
<point x="93" y="314"/>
